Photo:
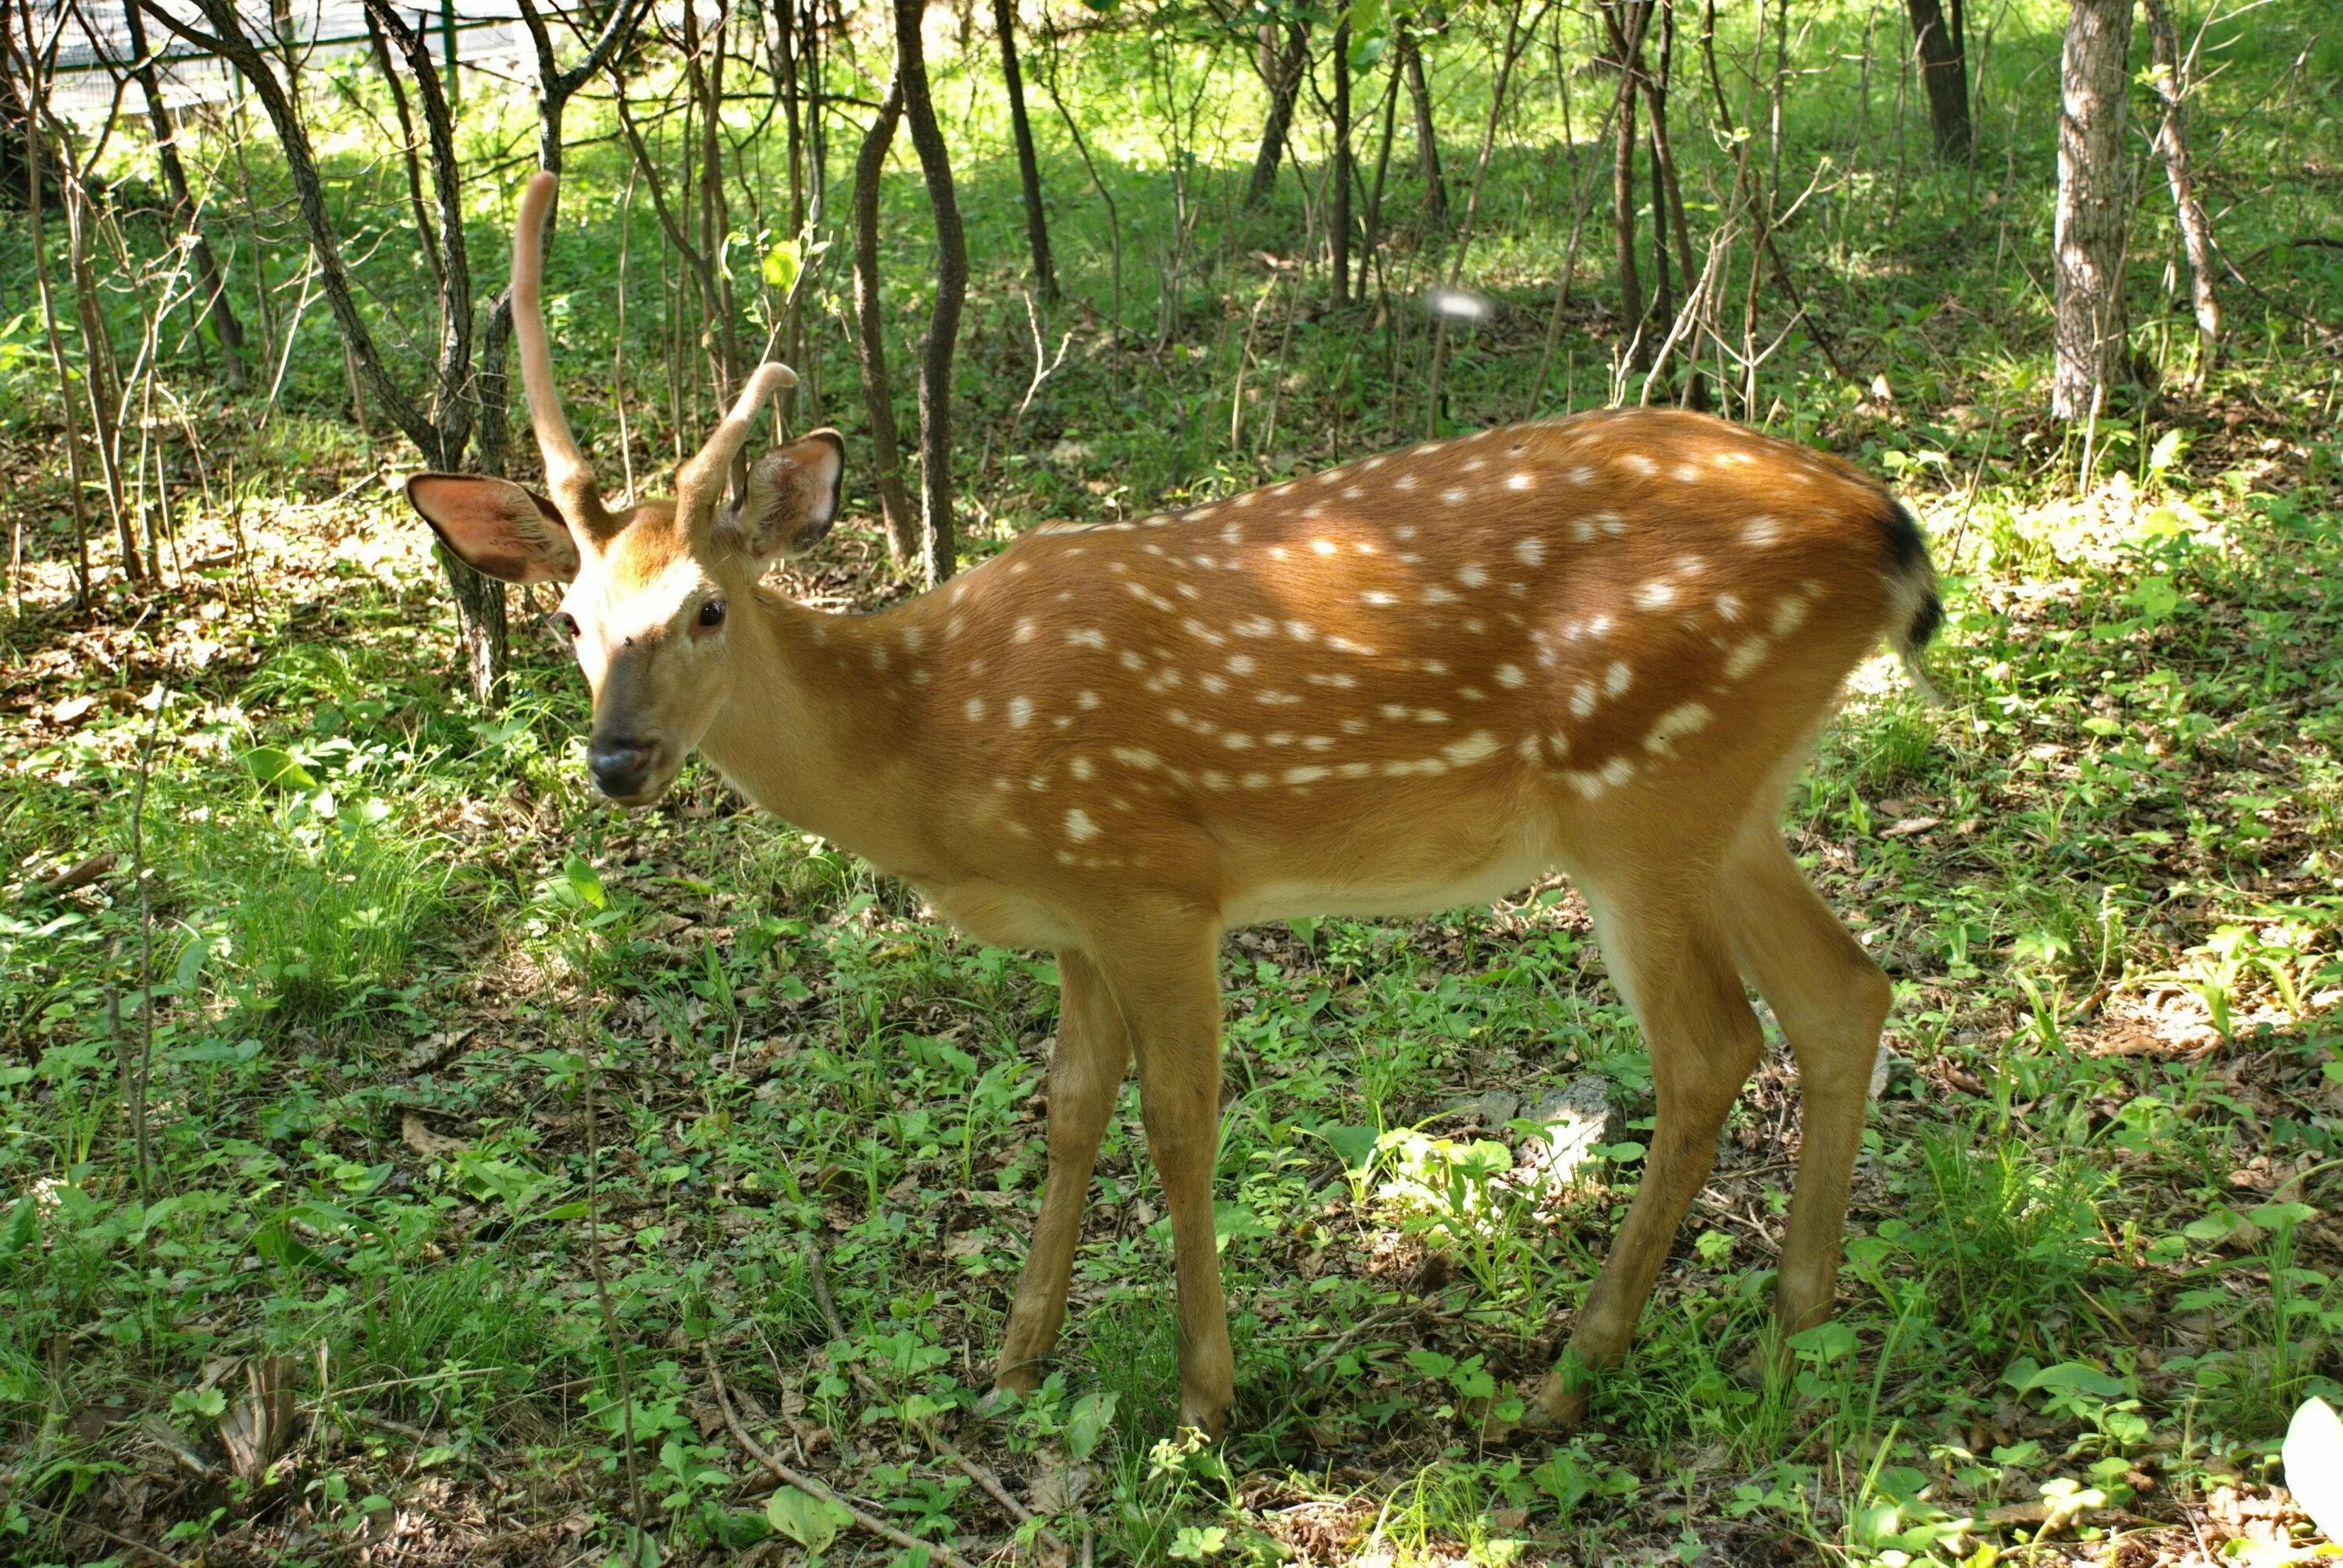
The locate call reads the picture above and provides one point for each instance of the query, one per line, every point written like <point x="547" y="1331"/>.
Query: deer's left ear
<point x="497" y="526"/>
<point x="793" y="496"/>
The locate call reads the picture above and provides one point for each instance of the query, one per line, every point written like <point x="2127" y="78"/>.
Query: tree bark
<point x="1338" y="219"/>
<point x="1944" y="70"/>
<point x="2172" y="145"/>
<point x="895" y="508"/>
<point x="1029" y="168"/>
<point x="1284" y="89"/>
<point x="2089" y="238"/>
<point x="226" y="330"/>
<point x="37" y="187"/>
<point x="1427" y="138"/>
<point x="1383" y="167"/>
<point x="1625" y="20"/>
<point x="939" y="544"/>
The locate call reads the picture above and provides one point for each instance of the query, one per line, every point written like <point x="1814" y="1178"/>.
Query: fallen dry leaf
<point x="417" y="1134"/>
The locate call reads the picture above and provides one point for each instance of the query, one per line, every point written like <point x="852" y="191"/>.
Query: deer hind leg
<point x="1165" y="976"/>
<point x="1086" y="1073"/>
<point x="1667" y="955"/>
<point x="1831" y="1001"/>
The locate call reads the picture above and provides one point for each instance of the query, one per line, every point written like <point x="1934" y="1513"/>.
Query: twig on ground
<point x="942" y="1446"/>
<point x="99" y="1529"/>
<point x="808" y="1484"/>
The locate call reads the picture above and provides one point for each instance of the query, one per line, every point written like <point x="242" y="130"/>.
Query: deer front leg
<point x="1168" y="984"/>
<point x="1086" y="1070"/>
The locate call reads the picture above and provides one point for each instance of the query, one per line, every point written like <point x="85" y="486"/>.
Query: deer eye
<point x="711" y="612"/>
<point x="566" y="622"/>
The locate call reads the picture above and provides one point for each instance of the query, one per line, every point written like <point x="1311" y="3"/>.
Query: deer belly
<point x="1389" y="881"/>
<point x="999" y="915"/>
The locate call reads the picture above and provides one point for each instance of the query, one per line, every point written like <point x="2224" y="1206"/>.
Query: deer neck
<point x="800" y="735"/>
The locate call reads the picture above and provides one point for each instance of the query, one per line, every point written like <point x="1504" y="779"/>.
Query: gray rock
<point x="1572" y="1122"/>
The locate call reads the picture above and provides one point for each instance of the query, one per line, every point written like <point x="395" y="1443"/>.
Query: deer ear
<point x="497" y="526"/>
<point x="793" y="496"/>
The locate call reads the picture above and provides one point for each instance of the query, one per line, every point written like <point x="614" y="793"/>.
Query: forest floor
<point x="368" y="1300"/>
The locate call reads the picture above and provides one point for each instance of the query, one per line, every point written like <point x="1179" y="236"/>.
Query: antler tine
<point x="566" y="472"/>
<point x="699" y="480"/>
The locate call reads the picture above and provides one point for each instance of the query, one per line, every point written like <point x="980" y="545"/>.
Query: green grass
<point x="2091" y="1254"/>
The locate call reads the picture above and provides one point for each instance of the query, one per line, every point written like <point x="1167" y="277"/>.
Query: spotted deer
<point x="1603" y="646"/>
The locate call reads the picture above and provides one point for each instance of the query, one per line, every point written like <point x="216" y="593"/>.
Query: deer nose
<point x="620" y="768"/>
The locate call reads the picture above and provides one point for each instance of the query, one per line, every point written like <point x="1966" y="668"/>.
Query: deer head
<point x="649" y="585"/>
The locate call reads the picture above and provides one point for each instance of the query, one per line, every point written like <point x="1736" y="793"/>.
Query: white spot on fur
<point x="1473" y="576"/>
<point x="1472" y="748"/>
<point x="1747" y="656"/>
<point x="1529" y="552"/>
<point x="1079" y="826"/>
<point x="1616" y="679"/>
<point x="1686" y="719"/>
<point x="1655" y="595"/>
<point x="974" y="709"/>
<point x="1021" y="713"/>
<point x="1761" y="532"/>
<point x="1509" y="674"/>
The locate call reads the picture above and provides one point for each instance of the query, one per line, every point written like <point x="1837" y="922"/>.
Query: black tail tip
<point x="1926" y="622"/>
<point x="1907" y="548"/>
<point x="1907" y="559"/>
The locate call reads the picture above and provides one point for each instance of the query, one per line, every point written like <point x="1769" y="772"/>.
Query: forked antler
<point x="699" y="483"/>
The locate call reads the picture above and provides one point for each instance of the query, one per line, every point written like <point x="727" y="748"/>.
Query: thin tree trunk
<point x="417" y="204"/>
<point x="1427" y="136"/>
<point x="1944" y="70"/>
<point x="895" y="508"/>
<point x="1338" y="216"/>
<point x="2088" y="241"/>
<point x="101" y="375"/>
<point x="2172" y="145"/>
<point x="1029" y="168"/>
<point x="1383" y="167"/>
<point x="1284" y="89"/>
<point x="940" y="543"/>
<point x="1667" y="195"/>
<point x="35" y="188"/>
<point x="209" y="280"/>
<point x="1625" y="20"/>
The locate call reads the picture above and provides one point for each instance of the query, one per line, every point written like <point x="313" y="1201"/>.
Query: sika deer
<point x="1603" y="645"/>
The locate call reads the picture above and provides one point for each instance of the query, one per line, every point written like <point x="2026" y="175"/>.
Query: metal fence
<point x="95" y="48"/>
